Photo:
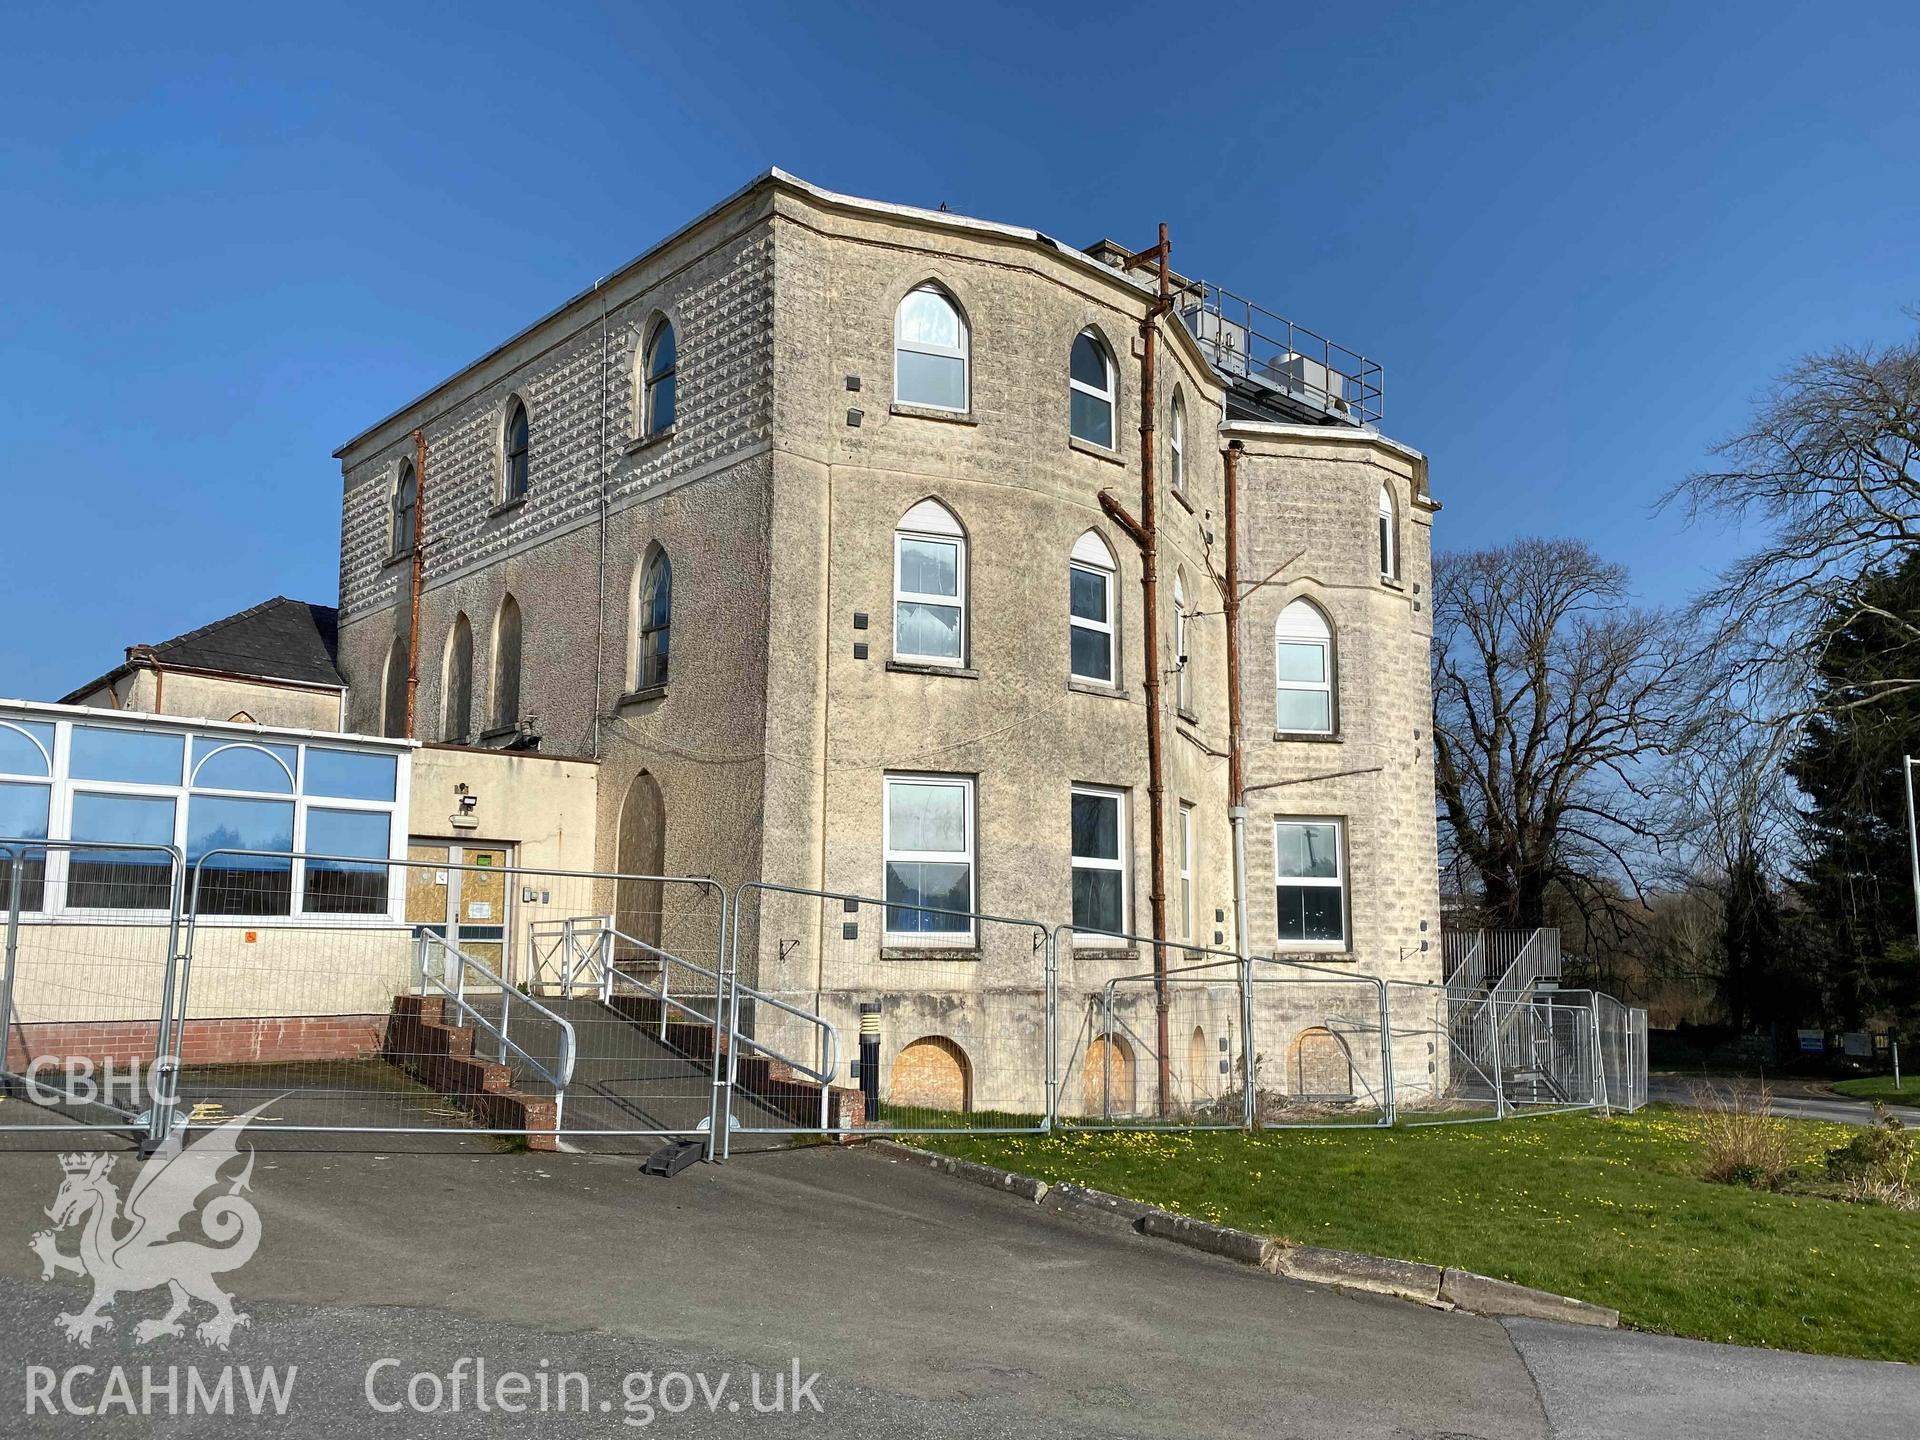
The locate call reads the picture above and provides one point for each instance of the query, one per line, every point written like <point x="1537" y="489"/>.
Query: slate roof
<point x="278" y="639"/>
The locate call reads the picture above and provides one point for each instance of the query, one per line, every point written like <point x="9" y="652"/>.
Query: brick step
<point x="439" y="1054"/>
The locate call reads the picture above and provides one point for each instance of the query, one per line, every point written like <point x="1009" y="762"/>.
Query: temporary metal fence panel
<point x="440" y="996"/>
<point x="1211" y="1041"/>
<point x="1620" y="1035"/>
<point x="86" y="993"/>
<point x="1332" y="1063"/>
<point x="849" y="1013"/>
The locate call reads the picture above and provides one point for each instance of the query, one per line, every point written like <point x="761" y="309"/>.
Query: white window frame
<point x="182" y="790"/>
<point x="1389" y="537"/>
<point x="1109" y="395"/>
<point x="920" y="523"/>
<point x="1177" y="443"/>
<point x="1091" y="555"/>
<point x="963" y="352"/>
<point x="1338" y="881"/>
<point x="1186" y="870"/>
<point x="954" y="940"/>
<point x="1328" y="658"/>
<point x="1103" y="939"/>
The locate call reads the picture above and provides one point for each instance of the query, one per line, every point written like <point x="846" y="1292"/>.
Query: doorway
<point x="471" y="908"/>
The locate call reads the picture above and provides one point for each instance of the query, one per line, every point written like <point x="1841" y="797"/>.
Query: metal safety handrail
<point x="560" y="1075"/>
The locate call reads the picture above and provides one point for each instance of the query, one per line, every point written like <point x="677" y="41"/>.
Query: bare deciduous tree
<point x="1554" y="699"/>
<point x="1831" y="467"/>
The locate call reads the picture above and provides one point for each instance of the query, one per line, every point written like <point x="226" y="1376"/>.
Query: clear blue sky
<point x="1580" y="238"/>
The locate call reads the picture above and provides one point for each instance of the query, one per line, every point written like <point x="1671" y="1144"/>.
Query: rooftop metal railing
<point x="1251" y="344"/>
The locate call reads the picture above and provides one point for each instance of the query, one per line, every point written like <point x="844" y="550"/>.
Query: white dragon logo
<point x="147" y="1256"/>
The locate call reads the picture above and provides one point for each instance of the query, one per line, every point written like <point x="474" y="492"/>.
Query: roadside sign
<point x="1813" y="1042"/>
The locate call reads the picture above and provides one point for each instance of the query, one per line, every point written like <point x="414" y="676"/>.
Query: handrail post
<point x="506" y="1000"/>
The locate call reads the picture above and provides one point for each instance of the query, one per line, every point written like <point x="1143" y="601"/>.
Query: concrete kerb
<point x="1442" y="1287"/>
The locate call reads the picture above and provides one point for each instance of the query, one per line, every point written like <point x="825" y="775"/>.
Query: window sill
<point x="915" y="667"/>
<point x="1099" y="452"/>
<point x="647" y="442"/>
<point x="1393" y="582"/>
<point x="399" y="559"/>
<point x="1179" y="493"/>
<point x="1192" y="717"/>
<point x="933" y="412"/>
<point x="506" y="507"/>
<point x="928" y="952"/>
<point x="1094" y="687"/>
<point x="643" y="696"/>
<point x="1309" y="737"/>
<point x="1096" y="949"/>
<point x="1328" y="951"/>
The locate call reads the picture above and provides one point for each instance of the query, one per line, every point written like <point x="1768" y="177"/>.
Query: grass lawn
<point x="1608" y="1210"/>
<point x="1880" y="1087"/>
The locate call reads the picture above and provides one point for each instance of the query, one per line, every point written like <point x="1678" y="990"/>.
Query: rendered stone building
<point x="794" y="526"/>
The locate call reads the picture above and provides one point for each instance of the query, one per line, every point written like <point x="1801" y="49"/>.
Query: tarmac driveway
<point x="927" y="1307"/>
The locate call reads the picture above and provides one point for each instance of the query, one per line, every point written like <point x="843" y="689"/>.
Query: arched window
<point x="930" y="351"/>
<point x="653" y="621"/>
<point x="456" y="685"/>
<point x="1303" y="671"/>
<point x="930" y="586"/>
<point x="1182" y="660"/>
<point x="406" y="495"/>
<point x="1389" y="540"/>
<point x="514" y="471"/>
<point x="506" y="666"/>
<point x="1090" y="386"/>
<point x="1177" y="443"/>
<point x="1090" y="621"/>
<point x="393" y="691"/>
<point x="659" y="366"/>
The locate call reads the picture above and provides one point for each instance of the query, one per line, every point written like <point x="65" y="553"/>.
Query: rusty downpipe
<point x="1146" y="534"/>
<point x="418" y="569"/>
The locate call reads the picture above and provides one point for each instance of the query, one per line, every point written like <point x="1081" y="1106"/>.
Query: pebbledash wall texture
<point x="776" y="494"/>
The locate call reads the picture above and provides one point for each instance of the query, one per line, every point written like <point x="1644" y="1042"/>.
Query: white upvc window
<point x="1303" y="662"/>
<point x="1099" y="825"/>
<point x="930" y="351"/>
<point x="927" y="844"/>
<point x="1090" y="610"/>
<point x="236" y="801"/>
<point x="1186" y="871"/>
<point x="1090" y="390"/>
<point x="1389" y="539"/>
<point x="930" y="587"/>
<point x="1310" y="883"/>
